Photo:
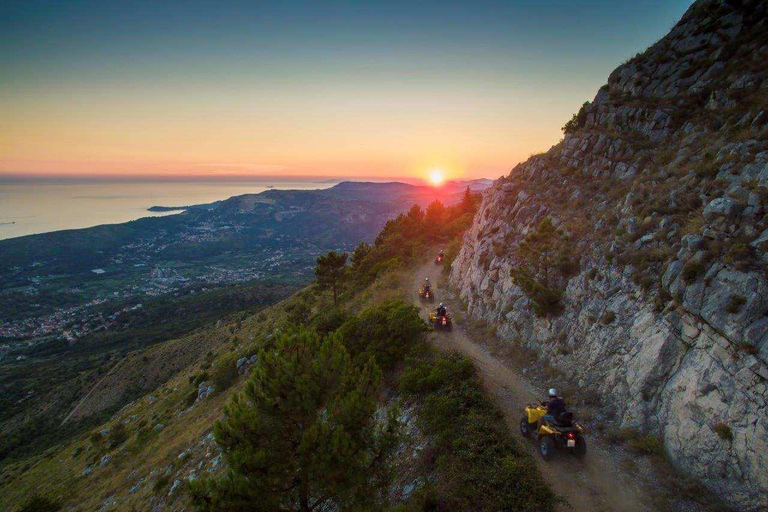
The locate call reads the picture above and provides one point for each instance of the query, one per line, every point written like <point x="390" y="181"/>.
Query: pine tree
<point x="467" y="201"/>
<point x="435" y="214"/>
<point x="303" y="436"/>
<point x="330" y="272"/>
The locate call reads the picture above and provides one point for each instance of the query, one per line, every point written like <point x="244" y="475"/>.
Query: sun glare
<point x="436" y="176"/>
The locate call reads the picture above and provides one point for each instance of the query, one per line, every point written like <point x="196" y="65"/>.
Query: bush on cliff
<point x="546" y="261"/>
<point x="480" y="466"/>
<point x="303" y="434"/>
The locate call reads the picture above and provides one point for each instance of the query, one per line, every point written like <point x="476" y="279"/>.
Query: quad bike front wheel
<point x="547" y="448"/>
<point x="526" y="428"/>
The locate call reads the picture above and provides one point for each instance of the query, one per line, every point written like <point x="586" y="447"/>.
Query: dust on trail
<point x="596" y="483"/>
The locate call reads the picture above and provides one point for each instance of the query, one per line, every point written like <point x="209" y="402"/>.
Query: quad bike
<point x="439" y="259"/>
<point x="440" y="322"/>
<point x="426" y="295"/>
<point x="561" y="435"/>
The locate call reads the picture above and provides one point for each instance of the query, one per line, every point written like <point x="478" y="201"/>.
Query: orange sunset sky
<point x="313" y="89"/>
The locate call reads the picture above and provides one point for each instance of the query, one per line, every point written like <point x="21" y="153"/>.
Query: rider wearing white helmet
<point x="555" y="406"/>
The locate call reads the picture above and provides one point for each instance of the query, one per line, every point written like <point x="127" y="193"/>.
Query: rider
<point x="427" y="286"/>
<point x="441" y="310"/>
<point x="555" y="406"/>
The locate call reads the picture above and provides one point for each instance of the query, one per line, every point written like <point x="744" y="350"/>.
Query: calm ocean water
<point x="29" y="207"/>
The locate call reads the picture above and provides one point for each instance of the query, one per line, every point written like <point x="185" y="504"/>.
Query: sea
<point x="34" y="205"/>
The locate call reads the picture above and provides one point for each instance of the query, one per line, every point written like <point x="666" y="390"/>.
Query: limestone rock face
<point x="660" y="184"/>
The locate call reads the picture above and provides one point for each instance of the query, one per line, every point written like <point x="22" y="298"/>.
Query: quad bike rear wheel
<point x="547" y="448"/>
<point x="580" y="451"/>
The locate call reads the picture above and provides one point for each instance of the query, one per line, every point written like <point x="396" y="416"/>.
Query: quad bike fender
<point x="535" y="413"/>
<point x="544" y="430"/>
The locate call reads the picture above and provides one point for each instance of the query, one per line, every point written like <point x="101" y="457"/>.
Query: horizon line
<point x="203" y="178"/>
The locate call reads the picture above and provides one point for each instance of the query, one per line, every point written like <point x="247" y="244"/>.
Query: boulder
<point x="722" y="207"/>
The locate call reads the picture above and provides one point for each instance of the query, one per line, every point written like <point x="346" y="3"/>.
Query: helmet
<point x="441" y="305"/>
<point x="553" y="392"/>
<point x="426" y="279"/>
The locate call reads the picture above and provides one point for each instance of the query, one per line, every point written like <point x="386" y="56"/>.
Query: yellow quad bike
<point x="561" y="435"/>
<point x="426" y="295"/>
<point x="440" y="322"/>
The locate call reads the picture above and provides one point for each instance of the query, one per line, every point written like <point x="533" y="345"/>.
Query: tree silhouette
<point x="330" y="272"/>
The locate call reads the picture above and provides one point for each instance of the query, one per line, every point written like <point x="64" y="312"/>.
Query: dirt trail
<point x="596" y="483"/>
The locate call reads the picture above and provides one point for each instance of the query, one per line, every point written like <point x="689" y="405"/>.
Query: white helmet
<point x="426" y="279"/>
<point x="441" y="305"/>
<point x="553" y="392"/>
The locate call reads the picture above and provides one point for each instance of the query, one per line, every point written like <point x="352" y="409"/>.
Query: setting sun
<point x="436" y="176"/>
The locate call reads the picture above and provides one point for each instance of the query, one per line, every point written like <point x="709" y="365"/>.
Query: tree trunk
<point x="304" y="505"/>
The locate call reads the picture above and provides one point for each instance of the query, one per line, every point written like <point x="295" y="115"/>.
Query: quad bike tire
<point x="547" y="448"/>
<point x="580" y="451"/>
<point x="527" y="429"/>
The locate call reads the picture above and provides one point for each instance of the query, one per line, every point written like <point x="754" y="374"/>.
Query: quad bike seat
<point x="564" y="419"/>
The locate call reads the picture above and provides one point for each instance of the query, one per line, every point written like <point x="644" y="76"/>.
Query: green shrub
<point x="661" y="300"/>
<point x="545" y="301"/>
<point x="224" y="372"/>
<point x="692" y="270"/>
<point x="608" y="317"/>
<point x="327" y="321"/>
<point x="646" y="444"/>
<point x="741" y="255"/>
<point x="578" y="120"/>
<point x="191" y="398"/>
<point x="621" y="436"/>
<point x="96" y="439"/>
<point x="40" y="504"/>
<point x="387" y="332"/>
<point x="307" y="414"/>
<point x="161" y="483"/>
<point x="118" y="435"/>
<point x="723" y="431"/>
<point x="198" y="378"/>
<point x="480" y="466"/>
<point x="735" y="303"/>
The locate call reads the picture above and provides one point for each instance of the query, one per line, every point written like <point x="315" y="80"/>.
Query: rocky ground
<point x="658" y="194"/>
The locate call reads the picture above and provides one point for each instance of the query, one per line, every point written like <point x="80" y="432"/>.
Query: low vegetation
<point x="723" y="431"/>
<point x="478" y="463"/>
<point x="645" y="444"/>
<point x="546" y="260"/>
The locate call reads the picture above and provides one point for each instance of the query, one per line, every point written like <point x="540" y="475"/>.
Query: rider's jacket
<point x="556" y="406"/>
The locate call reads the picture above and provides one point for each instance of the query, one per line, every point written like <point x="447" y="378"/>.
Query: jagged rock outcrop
<point x="661" y="187"/>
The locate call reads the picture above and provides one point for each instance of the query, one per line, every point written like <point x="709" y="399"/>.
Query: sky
<point x="335" y="89"/>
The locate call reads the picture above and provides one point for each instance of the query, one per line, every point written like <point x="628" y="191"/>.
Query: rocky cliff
<point x="658" y="300"/>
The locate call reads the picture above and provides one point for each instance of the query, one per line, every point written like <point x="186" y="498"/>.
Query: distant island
<point x="167" y="208"/>
<point x="206" y="206"/>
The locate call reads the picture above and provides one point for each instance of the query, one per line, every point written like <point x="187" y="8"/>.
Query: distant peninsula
<point x="206" y="206"/>
<point x="166" y="208"/>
